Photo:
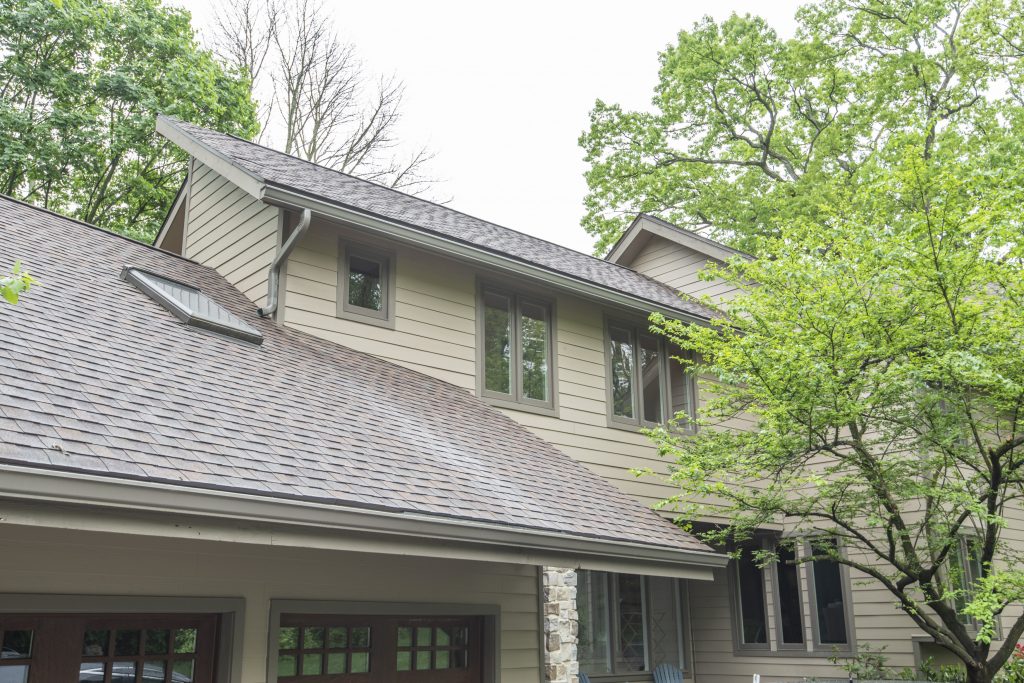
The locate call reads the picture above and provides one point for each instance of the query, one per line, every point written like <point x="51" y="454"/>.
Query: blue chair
<point x="584" y="678"/>
<point x="666" y="673"/>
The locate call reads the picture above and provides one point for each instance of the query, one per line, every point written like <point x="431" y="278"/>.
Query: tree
<point x="81" y="83"/>
<point x="12" y="286"/>
<point x="746" y="129"/>
<point x="879" y="353"/>
<point x="318" y="101"/>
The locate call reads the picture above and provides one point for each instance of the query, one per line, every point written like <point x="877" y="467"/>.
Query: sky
<point x="501" y="91"/>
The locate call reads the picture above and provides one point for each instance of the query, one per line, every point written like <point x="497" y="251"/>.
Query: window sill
<point x="521" y="407"/>
<point x="635" y="428"/>
<point x="792" y="652"/>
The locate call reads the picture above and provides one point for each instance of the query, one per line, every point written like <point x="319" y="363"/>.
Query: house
<point x="326" y="431"/>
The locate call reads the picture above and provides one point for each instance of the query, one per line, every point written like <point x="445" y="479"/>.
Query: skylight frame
<point x="227" y="324"/>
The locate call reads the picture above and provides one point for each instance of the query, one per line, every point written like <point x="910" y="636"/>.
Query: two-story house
<point x="326" y="431"/>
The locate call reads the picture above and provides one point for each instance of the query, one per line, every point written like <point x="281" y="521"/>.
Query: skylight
<point x="189" y="305"/>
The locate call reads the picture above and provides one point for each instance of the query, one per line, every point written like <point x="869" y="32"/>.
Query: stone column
<point x="561" y="626"/>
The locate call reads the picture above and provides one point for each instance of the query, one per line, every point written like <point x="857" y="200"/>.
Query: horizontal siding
<point x="679" y="267"/>
<point x="49" y="561"/>
<point x="230" y="231"/>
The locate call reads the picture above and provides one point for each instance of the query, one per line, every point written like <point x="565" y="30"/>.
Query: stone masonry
<point x="561" y="626"/>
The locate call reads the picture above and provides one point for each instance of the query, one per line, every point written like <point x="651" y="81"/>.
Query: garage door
<point x="107" y="648"/>
<point x="363" y="649"/>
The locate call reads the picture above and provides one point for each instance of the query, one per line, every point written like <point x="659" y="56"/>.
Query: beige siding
<point x="230" y="231"/>
<point x="49" y="561"/>
<point x="679" y="267"/>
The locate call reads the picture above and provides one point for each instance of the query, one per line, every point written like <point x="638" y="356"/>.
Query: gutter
<point x="274" y="275"/>
<point x="277" y="195"/>
<point x="410" y="532"/>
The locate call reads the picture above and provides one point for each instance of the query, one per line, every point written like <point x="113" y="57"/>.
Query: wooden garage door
<point x="107" y="648"/>
<point x="372" y="649"/>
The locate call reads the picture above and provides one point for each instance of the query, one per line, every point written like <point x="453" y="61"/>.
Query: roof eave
<point x="275" y="194"/>
<point x="413" y="533"/>
<point x="645" y="223"/>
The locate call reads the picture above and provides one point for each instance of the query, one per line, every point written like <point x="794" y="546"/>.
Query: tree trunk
<point x="978" y="675"/>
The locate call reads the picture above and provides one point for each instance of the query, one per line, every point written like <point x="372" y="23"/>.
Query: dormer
<point x="673" y="256"/>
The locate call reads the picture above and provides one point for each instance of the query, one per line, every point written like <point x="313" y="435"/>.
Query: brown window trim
<point x="388" y="260"/>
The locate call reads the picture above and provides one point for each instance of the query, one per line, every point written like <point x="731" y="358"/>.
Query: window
<point x="829" y="596"/>
<point x="966" y="570"/>
<point x="782" y="629"/>
<point x="753" y="618"/>
<point x="628" y="623"/>
<point x="379" y="649"/>
<point x="516" y="348"/>
<point x="189" y="305"/>
<point x="365" y="285"/>
<point x="643" y="379"/>
<point x="787" y="596"/>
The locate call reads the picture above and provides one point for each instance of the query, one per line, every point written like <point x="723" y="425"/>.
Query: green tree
<point x="747" y="129"/>
<point x="12" y="286"/>
<point x="81" y="83"/>
<point x="880" y="354"/>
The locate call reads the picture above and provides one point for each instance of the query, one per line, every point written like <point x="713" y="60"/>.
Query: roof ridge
<point x="99" y="229"/>
<point x="405" y="194"/>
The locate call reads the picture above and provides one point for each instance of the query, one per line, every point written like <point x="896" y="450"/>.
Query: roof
<point x="646" y="224"/>
<point x="99" y="379"/>
<point x="270" y="167"/>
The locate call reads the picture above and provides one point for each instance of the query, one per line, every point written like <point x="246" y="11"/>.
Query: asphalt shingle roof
<point x="96" y="377"/>
<point x="282" y="170"/>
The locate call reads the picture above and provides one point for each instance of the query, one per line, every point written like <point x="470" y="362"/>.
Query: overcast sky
<point x="501" y="91"/>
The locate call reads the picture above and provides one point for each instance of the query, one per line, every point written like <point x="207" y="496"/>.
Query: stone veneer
<point x="561" y="626"/>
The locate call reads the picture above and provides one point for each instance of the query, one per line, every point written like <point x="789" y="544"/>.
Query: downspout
<point x="274" y="276"/>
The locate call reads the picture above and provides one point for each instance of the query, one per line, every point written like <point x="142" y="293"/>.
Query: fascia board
<point x="405" y="533"/>
<point x="249" y="182"/>
<point x="283" y="196"/>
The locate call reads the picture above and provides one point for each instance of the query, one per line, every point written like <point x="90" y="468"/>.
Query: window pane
<point x="621" y="371"/>
<point x="313" y="637"/>
<point x="95" y="643"/>
<point x="17" y="645"/>
<point x="88" y="672"/>
<point x="789" y="596"/>
<point x="828" y="597"/>
<point x="497" y="343"/>
<point x="650" y="378"/>
<point x="286" y="665"/>
<point x="122" y="672"/>
<point x="594" y="649"/>
<point x="632" y="653"/>
<point x="364" y="283"/>
<point x="287" y="639"/>
<point x="682" y="388"/>
<point x="19" y="673"/>
<point x="754" y="629"/>
<point x="185" y="640"/>
<point x="664" y="622"/>
<point x="153" y="672"/>
<point x="535" y="351"/>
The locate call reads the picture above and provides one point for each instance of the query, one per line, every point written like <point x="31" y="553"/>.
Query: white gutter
<point x="410" y="533"/>
<point x="275" y="195"/>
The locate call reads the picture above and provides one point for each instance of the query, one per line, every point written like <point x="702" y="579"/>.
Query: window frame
<point x="638" y="329"/>
<point x="816" y="645"/>
<point x="387" y="259"/>
<point x="680" y="592"/>
<point x="516" y="399"/>
<point x="963" y="560"/>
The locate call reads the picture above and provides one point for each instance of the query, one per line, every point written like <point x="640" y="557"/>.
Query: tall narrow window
<point x="365" y="289"/>
<point x="788" y="597"/>
<point x="645" y="385"/>
<point x="651" y="370"/>
<point x="497" y="343"/>
<point x="753" y="626"/>
<point x="829" y="598"/>
<point x="592" y="606"/>
<point x="632" y="650"/>
<point x="966" y="572"/>
<point x="516" y="348"/>
<point x="622" y="358"/>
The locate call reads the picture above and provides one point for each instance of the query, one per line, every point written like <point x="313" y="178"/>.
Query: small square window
<point x="365" y="285"/>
